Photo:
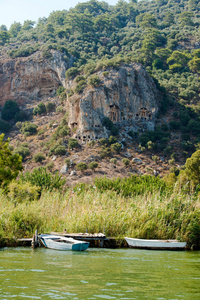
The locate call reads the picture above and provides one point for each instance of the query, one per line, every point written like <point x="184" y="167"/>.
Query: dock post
<point x="36" y="237"/>
<point x="101" y="243"/>
<point x="34" y="242"/>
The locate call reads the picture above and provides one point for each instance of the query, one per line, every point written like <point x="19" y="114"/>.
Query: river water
<point x="99" y="274"/>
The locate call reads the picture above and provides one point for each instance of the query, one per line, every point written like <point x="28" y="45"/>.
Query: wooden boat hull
<point x="155" y="244"/>
<point x="62" y="243"/>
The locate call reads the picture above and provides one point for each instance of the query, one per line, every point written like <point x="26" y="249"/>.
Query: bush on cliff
<point x="28" y="128"/>
<point x="4" y="126"/>
<point x="10" y="109"/>
<point x="10" y="163"/>
<point x="45" y="180"/>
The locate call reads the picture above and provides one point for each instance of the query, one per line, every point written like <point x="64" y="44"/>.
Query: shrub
<point x="116" y="147"/>
<point x="155" y="158"/>
<point x="175" y="125"/>
<point x="50" y="166"/>
<point x="60" y="109"/>
<point x="43" y="179"/>
<point x="72" y="143"/>
<point x="50" y="106"/>
<point x="103" y="142"/>
<point x="80" y="87"/>
<point x="60" y="150"/>
<point x="10" y="109"/>
<point x="4" y="126"/>
<point x="91" y="143"/>
<point x="18" y="125"/>
<point x="81" y="166"/>
<point x="105" y="74"/>
<point x="68" y="162"/>
<point x="134" y="185"/>
<point x="70" y="73"/>
<point x="94" y="80"/>
<point x="28" y="128"/>
<point x="21" y="192"/>
<point x="23" y="151"/>
<point x="107" y="123"/>
<point x="110" y="126"/>
<point x="93" y="165"/>
<point x="41" y="131"/>
<point x="105" y="152"/>
<point x="194" y="126"/>
<point x="10" y="163"/>
<point x="39" y="157"/>
<point x="112" y="140"/>
<point x="126" y="161"/>
<point x="79" y="78"/>
<point x="60" y="90"/>
<point x="113" y="161"/>
<point x="150" y="145"/>
<point x="20" y="116"/>
<point x="40" y="109"/>
<point x="63" y="131"/>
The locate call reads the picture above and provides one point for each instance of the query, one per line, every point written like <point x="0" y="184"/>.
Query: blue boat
<point x="58" y="242"/>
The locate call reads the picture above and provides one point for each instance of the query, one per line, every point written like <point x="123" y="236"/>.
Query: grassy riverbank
<point x="161" y="214"/>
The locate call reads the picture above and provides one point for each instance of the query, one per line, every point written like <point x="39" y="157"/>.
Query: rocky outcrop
<point x="128" y="96"/>
<point x="26" y="78"/>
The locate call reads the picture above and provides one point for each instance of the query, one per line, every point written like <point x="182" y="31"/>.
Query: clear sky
<point x="20" y="10"/>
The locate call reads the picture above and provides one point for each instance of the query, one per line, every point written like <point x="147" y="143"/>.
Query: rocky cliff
<point x="26" y="78"/>
<point x="128" y="96"/>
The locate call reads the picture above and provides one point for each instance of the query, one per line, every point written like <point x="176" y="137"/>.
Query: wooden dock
<point x="97" y="240"/>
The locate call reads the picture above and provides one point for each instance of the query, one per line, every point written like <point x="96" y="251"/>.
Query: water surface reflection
<point x="99" y="274"/>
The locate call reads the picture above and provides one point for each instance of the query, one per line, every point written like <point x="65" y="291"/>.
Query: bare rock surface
<point x="127" y="96"/>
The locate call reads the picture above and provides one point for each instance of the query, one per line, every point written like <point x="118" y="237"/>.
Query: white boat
<point x="155" y="244"/>
<point x="58" y="242"/>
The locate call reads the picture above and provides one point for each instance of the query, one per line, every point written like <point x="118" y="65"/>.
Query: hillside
<point x="52" y="66"/>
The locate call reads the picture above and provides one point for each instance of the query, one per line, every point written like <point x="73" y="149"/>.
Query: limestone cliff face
<point x="127" y="96"/>
<point x="24" y="79"/>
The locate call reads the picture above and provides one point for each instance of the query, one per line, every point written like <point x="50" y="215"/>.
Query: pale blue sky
<point x="20" y="10"/>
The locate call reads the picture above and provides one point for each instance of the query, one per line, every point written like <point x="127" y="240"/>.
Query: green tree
<point x="28" y="24"/>
<point x="192" y="167"/>
<point x="15" y="29"/>
<point x="10" y="164"/>
<point x="178" y="59"/>
<point x="10" y="109"/>
<point x="194" y="65"/>
<point x="148" y="21"/>
<point x="185" y="19"/>
<point x="4" y="37"/>
<point x="168" y="19"/>
<point x="42" y="178"/>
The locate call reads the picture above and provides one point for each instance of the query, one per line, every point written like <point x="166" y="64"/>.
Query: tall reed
<point x="149" y="215"/>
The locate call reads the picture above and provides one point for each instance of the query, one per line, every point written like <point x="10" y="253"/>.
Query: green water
<point x="99" y="274"/>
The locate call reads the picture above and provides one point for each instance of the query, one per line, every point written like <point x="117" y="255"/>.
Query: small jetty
<point x="96" y="240"/>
